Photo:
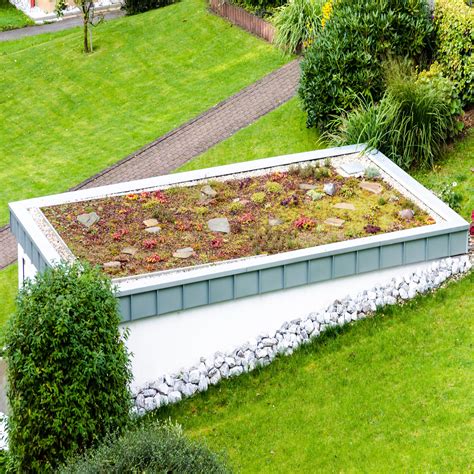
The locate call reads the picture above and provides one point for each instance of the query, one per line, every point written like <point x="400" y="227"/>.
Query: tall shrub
<point x="68" y="368"/>
<point x="344" y="64"/>
<point x="409" y="125"/>
<point x="454" y="24"/>
<point x="132" y="7"/>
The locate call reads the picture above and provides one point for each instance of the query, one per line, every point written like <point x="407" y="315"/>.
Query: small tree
<point x="89" y="19"/>
<point x="68" y="367"/>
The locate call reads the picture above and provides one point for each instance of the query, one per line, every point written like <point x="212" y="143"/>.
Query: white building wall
<point x="26" y="269"/>
<point x="164" y="344"/>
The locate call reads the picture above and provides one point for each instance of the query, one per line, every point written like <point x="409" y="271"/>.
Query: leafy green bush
<point x="409" y="125"/>
<point x="345" y="63"/>
<point x="132" y="7"/>
<point x="297" y="23"/>
<point x="68" y="368"/>
<point x="454" y="26"/>
<point x="262" y="8"/>
<point x="154" y="447"/>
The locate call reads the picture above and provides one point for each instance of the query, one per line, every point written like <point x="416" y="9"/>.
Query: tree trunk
<point x="86" y="36"/>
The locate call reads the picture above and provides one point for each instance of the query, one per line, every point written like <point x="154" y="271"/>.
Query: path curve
<point x="189" y="140"/>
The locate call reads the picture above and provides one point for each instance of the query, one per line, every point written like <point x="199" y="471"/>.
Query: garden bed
<point x="181" y="226"/>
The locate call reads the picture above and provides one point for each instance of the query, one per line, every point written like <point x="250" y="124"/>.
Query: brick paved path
<point x="191" y="139"/>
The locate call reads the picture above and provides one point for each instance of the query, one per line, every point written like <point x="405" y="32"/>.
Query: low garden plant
<point x="153" y="447"/>
<point x="68" y="367"/>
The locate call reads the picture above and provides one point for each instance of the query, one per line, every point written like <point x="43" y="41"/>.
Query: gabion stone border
<point x="173" y="388"/>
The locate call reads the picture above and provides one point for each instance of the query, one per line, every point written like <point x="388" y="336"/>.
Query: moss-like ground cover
<point x="65" y="115"/>
<point x="268" y="214"/>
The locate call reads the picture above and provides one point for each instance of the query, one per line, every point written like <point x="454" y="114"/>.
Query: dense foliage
<point x="454" y="22"/>
<point x="262" y="8"/>
<point x="344" y="64"/>
<point x="409" y="125"/>
<point x="68" y="368"/>
<point x="155" y="447"/>
<point x="297" y="23"/>
<point x="132" y="7"/>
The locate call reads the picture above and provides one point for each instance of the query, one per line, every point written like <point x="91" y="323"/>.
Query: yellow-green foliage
<point x="258" y="198"/>
<point x="454" y="22"/>
<point x="273" y="187"/>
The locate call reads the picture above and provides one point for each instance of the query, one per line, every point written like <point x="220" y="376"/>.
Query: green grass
<point x="280" y="132"/>
<point x="66" y="115"/>
<point x="389" y="394"/>
<point x="8" y="288"/>
<point x="11" y="18"/>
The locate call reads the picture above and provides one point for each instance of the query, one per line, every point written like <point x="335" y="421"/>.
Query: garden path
<point x="65" y="24"/>
<point x="189" y="140"/>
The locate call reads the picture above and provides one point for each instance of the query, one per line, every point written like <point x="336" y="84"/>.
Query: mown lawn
<point x="65" y="115"/>
<point x="389" y="394"/>
<point x="11" y="18"/>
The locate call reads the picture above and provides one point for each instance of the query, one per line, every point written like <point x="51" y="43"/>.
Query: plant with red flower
<point x="150" y="243"/>
<point x="160" y="197"/>
<point x="304" y="223"/>
<point x="155" y="258"/>
<point x="119" y="234"/>
<point x="217" y="242"/>
<point x="132" y="196"/>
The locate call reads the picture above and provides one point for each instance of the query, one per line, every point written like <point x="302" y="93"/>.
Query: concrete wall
<point x="165" y="344"/>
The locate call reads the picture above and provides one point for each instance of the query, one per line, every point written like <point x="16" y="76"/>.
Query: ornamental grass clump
<point x="68" y="367"/>
<point x="297" y="24"/>
<point x="415" y="117"/>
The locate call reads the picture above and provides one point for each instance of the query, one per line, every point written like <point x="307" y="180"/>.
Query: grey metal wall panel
<point x="458" y="243"/>
<point x="296" y="274"/>
<point x="391" y="255"/>
<point x="195" y="294"/>
<point x="170" y="299"/>
<point x="143" y="305"/>
<point x="246" y="284"/>
<point x="271" y="279"/>
<point x="415" y="251"/>
<point x="344" y="264"/>
<point x="320" y="269"/>
<point x="368" y="260"/>
<point x="125" y="307"/>
<point x="221" y="289"/>
<point x="438" y="246"/>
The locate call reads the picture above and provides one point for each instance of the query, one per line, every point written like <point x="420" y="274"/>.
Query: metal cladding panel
<point x="368" y="260"/>
<point x="246" y="284"/>
<point x="195" y="294"/>
<point x="143" y="305"/>
<point x="271" y="279"/>
<point x="415" y="251"/>
<point x="438" y="247"/>
<point x="296" y="274"/>
<point x="391" y="255"/>
<point x="125" y="308"/>
<point x="320" y="269"/>
<point x="458" y="242"/>
<point x="345" y="264"/>
<point x="170" y="299"/>
<point x="221" y="289"/>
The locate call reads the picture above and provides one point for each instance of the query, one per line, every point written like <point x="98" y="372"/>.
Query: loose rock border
<point x="173" y="388"/>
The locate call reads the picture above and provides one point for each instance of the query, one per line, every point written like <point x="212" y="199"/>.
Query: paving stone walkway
<point x="191" y="139"/>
